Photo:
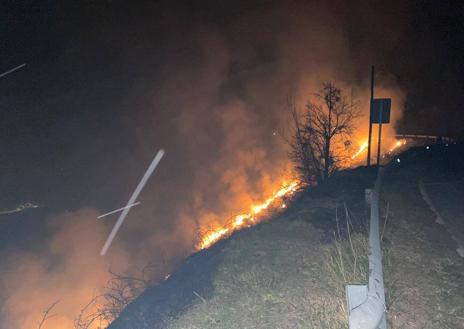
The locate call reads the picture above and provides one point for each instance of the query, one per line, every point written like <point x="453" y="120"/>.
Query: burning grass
<point x="277" y="199"/>
<point x="397" y="146"/>
<point x="254" y="216"/>
<point x="281" y="274"/>
<point x="288" y="272"/>
<point x="285" y="276"/>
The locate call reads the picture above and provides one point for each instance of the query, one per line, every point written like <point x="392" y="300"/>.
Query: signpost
<point x="379" y="113"/>
<point x="381" y="110"/>
<point x="370" y="119"/>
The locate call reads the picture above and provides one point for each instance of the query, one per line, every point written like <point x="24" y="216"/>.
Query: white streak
<point x="134" y="196"/>
<point x="12" y="70"/>
<point x="119" y="209"/>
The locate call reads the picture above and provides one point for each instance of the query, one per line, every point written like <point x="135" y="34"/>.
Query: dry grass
<point x="280" y="275"/>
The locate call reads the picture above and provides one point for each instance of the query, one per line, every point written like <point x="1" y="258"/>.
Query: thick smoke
<point x="67" y="270"/>
<point x="216" y="101"/>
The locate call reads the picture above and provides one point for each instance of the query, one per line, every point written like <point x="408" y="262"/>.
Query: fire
<point x="362" y="148"/>
<point x="252" y="217"/>
<point x="397" y="144"/>
<point x="247" y="219"/>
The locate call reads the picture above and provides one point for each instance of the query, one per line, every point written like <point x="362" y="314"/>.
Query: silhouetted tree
<point x="120" y="290"/>
<point x="321" y="134"/>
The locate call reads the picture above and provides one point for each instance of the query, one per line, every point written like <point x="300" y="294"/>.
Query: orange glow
<point x="397" y="144"/>
<point x="246" y="219"/>
<point x="362" y="148"/>
<point x="255" y="216"/>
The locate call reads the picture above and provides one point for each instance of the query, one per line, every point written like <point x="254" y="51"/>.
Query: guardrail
<point x="366" y="303"/>
<point x="429" y="137"/>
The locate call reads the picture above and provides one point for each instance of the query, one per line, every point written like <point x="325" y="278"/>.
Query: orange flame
<point x="252" y="217"/>
<point x="397" y="144"/>
<point x="246" y="219"/>
<point x="362" y="148"/>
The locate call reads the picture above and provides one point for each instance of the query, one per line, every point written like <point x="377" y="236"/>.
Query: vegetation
<point x="321" y="134"/>
<point x="281" y="274"/>
<point x="119" y="292"/>
<point x="291" y="272"/>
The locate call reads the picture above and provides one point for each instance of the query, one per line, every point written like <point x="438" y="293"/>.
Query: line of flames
<point x="397" y="144"/>
<point x="246" y="219"/>
<point x="363" y="147"/>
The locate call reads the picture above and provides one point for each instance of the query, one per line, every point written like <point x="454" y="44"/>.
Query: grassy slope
<point x="284" y="273"/>
<point x="290" y="272"/>
<point x="277" y="277"/>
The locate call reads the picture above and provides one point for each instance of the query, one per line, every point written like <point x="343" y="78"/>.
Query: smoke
<point x="214" y="98"/>
<point x="67" y="270"/>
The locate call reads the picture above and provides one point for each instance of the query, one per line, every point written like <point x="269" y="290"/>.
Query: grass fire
<point x="276" y="201"/>
<point x="248" y="219"/>
<point x="204" y="164"/>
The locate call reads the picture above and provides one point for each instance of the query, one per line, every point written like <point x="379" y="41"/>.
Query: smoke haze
<point x="207" y="84"/>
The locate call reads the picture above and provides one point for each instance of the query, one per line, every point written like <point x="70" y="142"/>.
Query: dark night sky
<point x="70" y="118"/>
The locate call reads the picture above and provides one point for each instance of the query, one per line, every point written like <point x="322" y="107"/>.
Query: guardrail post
<point x="366" y="303"/>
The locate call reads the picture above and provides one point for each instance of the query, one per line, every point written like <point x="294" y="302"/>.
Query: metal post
<point x="370" y="119"/>
<point x="380" y="133"/>
<point x="366" y="303"/>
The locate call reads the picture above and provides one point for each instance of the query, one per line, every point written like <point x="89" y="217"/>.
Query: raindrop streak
<point x="134" y="196"/>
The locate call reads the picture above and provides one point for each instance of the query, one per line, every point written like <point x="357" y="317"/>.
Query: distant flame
<point x="362" y="148"/>
<point x="246" y="219"/>
<point x="252" y="217"/>
<point x="397" y="144"/>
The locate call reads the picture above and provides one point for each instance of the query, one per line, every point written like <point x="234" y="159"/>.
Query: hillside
<point x="290" y="271"/>
<point x="275" y="272"/>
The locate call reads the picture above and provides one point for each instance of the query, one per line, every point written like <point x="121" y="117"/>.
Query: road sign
<point x="381" y="105"/>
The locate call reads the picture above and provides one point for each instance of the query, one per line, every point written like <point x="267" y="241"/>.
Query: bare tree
<point x="321" y="133"/>
<point x="120" y="290"/>
<point x="46" y="314"/>
<point x="305" y="161"/>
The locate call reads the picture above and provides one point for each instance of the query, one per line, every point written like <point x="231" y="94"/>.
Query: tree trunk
<point x="327" y="158"/>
